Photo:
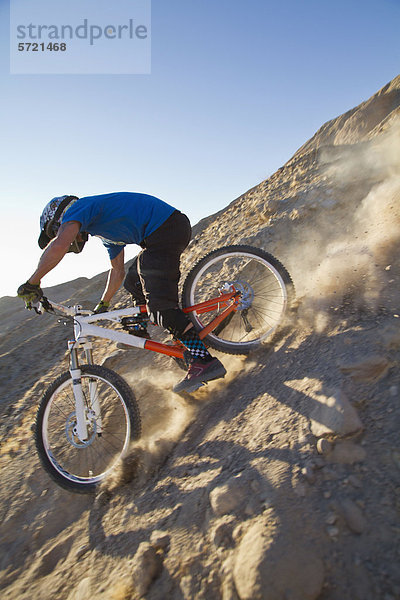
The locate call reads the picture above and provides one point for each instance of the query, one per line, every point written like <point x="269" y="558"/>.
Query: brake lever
<point x="30" y="306"/>
<point x="43" y="302"/>
<point x="46" y="304"/>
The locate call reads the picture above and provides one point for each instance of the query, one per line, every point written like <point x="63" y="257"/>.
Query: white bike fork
<point x="93" y="392"/>
<point x="81" y="430"/>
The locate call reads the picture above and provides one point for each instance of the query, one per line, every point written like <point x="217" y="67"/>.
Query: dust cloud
<point x="165" y="416"/>
<point x="348" y="252"/>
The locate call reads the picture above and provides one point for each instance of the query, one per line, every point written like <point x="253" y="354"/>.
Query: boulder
<point x="333" y="414"/>
<point x="146" y="566"/>
<point x="230" y="497"/>
<point x="271" y="564"/>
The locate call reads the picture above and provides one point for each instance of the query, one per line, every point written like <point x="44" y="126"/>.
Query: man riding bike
<point x="119" y="219"/>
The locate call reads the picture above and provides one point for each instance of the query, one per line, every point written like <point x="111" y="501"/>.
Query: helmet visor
<point x="43" y="240"/>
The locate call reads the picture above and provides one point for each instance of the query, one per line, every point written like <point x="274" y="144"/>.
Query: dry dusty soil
<point x="281" y="482"/>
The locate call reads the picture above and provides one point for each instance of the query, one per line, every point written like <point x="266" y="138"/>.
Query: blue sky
<point x="235" y="88"/>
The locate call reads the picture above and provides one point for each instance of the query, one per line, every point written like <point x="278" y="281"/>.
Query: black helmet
<point x="50" y="222"/>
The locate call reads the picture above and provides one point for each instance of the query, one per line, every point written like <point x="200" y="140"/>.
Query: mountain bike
<point x="236" y="297"/>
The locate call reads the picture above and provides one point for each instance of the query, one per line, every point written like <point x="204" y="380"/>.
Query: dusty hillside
<point x="282" y="482"/>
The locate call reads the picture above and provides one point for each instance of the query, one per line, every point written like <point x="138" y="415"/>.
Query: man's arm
<point x="115" y="276"/>
<point x="56" y="250"/>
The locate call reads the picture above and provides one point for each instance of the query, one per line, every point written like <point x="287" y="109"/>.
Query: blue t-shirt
<point x="119" y="218"/>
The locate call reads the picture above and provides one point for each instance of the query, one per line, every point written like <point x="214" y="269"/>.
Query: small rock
<point x="266" y="504"/>
<point x="237" y="533"/>
<point x="299" y="487"/>
<point x="303" y="437"/>
<point x="146" y="566"/>
<point x="160" y="540"/>
<point x="229" y="497"/>
<point x="222" y="534"/>
<point x="318" y="462"/>
<point x="252" y="507"/>
<point x="333" y="531"/>
<point x="324" y="446"/>
<point x="331" y="519"/>
<point x="353" y="516"/>
<point x="308" y="474"/>
<point x="102" y="499"/>
<point x="81" y="551"/>
<point x="347" y="453"/>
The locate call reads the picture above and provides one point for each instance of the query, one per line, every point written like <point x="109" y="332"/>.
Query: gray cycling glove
<point x="101" y="307"/>
<point x="29" y="292"/>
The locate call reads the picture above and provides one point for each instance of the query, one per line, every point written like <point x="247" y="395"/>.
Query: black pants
<point x="154" y="275"/>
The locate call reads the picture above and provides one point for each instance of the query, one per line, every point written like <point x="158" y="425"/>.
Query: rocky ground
<point x="283" y="481"/>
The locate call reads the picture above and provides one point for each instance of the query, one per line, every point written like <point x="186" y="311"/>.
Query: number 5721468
<point x="42" y="47"/>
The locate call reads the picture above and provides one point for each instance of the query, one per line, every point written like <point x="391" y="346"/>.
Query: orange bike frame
<point x="177" y="349"/>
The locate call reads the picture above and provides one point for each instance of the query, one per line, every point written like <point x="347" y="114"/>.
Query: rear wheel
<point x="266" y="291"/>
<point x="113" y="420"/>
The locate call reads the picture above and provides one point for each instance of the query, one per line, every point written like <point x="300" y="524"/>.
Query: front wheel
<point x="265" y="292"/>
<point x="112" y="418"/>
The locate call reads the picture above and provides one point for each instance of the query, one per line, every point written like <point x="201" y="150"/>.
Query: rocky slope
<point x="282" y="482"/>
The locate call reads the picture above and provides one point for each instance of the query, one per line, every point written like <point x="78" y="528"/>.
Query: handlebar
<point x="50" y="306"/>
<point x="76" y="311"/>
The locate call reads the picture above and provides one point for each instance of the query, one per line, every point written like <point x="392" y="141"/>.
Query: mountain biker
<point x="119" y="219"/>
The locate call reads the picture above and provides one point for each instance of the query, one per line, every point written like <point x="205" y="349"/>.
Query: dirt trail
<point x="283" y="481"/>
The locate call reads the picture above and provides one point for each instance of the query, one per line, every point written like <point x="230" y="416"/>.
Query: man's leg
<point x="158" y="268"/>
<point x="202" y="366"/>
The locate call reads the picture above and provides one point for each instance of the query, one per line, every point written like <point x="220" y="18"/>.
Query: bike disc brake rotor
<point x="246" y="294"/>
<point x="72" y="436"/>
